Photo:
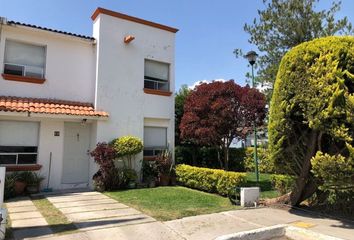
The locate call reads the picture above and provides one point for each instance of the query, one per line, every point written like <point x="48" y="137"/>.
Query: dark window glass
<point x="13" y="69"/>
<point x="152" y="152"/>
<point x="17" y="149"/>
<point x="7" y="159"/>
<point x="148" y="152"/>
<point x="27" y="158"/>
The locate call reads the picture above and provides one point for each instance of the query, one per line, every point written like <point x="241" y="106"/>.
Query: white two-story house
<point x="61" y="93"/>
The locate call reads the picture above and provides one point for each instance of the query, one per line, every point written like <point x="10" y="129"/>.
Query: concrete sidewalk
<point x="213" y="225"/>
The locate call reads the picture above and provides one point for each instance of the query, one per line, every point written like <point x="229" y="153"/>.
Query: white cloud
<point x="206" y="81"/>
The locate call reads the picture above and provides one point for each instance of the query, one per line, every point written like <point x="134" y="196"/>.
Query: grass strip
<point x="56" y="220"/>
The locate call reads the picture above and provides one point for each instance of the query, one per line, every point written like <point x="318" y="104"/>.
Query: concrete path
<point x="26" y="220"/>
<point x="93" y="210"/>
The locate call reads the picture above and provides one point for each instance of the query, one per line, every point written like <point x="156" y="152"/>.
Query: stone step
<point x="25" y="215"/>
<point x="76" y="217"/>
<point x="76" y="198"/>
<point x="31" y="222"/>
<point x="114" y="222"/>
<point x="83" y="203"/>
<point x="97" y="207"/>
<point x="19" y="203"/>
<point x="21" y="209"/>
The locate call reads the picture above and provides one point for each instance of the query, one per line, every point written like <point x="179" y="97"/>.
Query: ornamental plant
<point x="311" y="118"/>
<point x="218" y="112"/>
<point x="107" y="177"/>
<point x="127" y="147"/>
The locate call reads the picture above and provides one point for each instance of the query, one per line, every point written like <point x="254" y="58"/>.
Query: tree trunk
<point x="194" y="156"/>
<point x="219" y="159"/>
<point x="298" y="193"/>
<point x="226" y="158"/>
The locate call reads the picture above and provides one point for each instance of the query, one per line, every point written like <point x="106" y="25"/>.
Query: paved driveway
<point x="95" y="215"/>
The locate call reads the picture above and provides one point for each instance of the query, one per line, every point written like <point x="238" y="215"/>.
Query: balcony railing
<point x="156" y="84"/>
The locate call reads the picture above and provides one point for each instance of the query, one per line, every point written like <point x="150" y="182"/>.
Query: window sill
<point x="17" y="168"/>
<point x="157" y="92"/>
<point x="149" y="158"/>
<point x="11" y="77"/>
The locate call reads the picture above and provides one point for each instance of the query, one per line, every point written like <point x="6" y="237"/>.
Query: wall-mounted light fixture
<point x="83" y="122"/>
<point x="128" y="39"/>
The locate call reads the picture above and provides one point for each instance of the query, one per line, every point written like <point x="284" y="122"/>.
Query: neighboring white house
<point x="62" y="93"/>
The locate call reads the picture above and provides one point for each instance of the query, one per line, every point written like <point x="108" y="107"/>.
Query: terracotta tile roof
<point x="48" y="106"/>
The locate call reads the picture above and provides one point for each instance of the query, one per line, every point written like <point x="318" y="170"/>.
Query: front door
<point x="75" y="156"/>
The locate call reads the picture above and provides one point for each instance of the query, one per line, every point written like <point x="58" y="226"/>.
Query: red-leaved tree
<point x="216" y="113"/>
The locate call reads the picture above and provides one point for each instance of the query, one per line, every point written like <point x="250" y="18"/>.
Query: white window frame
<point x="24" y="67"/>
<point x="22" y="153"/>
<point x="157" y="83"/>
<point x="156" y="149"/>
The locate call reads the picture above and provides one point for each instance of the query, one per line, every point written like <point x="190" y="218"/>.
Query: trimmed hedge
<point x="282" y="183"/>
<point x="209" y="180"/>
<point x="265" y="163"/>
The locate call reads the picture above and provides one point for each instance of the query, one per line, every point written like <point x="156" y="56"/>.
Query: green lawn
<point x="56" y="219"/>
<point x="167" y="203"/>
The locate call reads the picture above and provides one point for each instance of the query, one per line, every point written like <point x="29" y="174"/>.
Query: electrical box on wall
<point x="56" y="133"/>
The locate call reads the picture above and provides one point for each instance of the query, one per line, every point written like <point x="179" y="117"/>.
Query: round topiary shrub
<point x="126" y="147"/>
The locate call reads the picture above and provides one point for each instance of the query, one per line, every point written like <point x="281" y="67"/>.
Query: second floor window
<point x="156" y="75"/>
<point x="24" y="59"/>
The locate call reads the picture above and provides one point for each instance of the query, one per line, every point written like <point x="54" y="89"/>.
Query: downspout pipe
<point x="3" y="21"/>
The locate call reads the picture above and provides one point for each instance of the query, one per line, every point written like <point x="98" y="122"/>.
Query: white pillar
<point x="2" y="184"/>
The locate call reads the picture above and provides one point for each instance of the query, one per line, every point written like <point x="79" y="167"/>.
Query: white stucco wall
<point x="70" y="66"/>
<point x="120" y="77"/>
<point x="109" y="74"/>
<point x="48" y="143"/>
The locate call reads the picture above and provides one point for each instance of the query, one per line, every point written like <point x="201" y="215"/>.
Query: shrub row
<point x="282" y="183"/>
<point x="209" y="180"/>
<point x="265" y="163"/>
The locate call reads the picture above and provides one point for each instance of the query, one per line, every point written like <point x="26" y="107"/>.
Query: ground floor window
<point x="155" y="140"/>
<point x="18" y="142"/>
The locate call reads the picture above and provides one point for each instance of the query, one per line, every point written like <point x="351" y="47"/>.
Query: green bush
<point x="207" y="157"/>
<point x="209" y="180"/>
<point x="265" y="164"/>
<point x="126" y="147"/>
<point x="311" y="116"/>
<point x="282" y="183"/>
<point x="9" y="191"/>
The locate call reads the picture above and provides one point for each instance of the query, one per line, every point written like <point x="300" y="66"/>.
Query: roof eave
<point x="51" y="31"/>
<point x="52" y="116"/>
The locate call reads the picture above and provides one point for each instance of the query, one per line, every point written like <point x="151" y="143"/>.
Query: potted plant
<point x="173" y="176"/>
<point x="164" y="167"/>
<point x="150" y="173"/>
<point x="34" y="183"/>
<point x="131" y="177"/>
<point x="21" y="179"/>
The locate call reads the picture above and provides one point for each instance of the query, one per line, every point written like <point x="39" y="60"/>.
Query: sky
<point x="209" y="30"/>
